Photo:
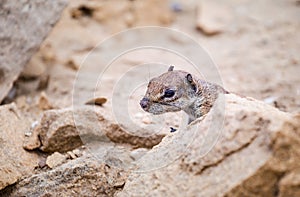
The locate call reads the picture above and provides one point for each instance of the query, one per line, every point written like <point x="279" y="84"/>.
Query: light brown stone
<point x="257" y="146"/>
<point x="290" y="183"/>
<point x="65" y="129"/>
<point x="44" y="103"/>
<point x="32" y="141"/>
<point x="83" y="176"/>
<point x="212" y="18"/>
<point x="15" y="162"/>
<point x="55" y="159"/>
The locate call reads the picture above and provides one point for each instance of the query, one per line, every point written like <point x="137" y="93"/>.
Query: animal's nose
<point x="144" y="103"/>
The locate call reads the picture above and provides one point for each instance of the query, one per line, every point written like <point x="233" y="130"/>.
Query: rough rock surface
<point x="32" y="141"/>
<point x="15" y="162"/>
<point x="58" y="131"/>
<point x="24" y="25"/>
<point x="256" y="155"/>
<point x="289" y="184"/>
<point x="65" y="129"/>
<point x="55" y="159"/>
<point x="83" y="176"/>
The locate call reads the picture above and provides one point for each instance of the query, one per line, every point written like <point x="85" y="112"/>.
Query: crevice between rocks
<point x="206" y="167"/>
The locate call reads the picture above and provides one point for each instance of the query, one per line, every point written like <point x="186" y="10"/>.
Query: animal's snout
<point x="144" y="103"/>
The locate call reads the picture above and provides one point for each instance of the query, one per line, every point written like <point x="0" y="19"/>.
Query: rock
<point x="42" y="162"/>
<point x="43" y="82"/>
<point x="289" y="185"/>
<point x="44" y="103"/>
<point x="77" y="152"/>
<point x="15" y="162"/>
<point x="55" y="159"/>
<point x="58" y="131"/>
<point x="116" y="134"/>
<point x="136" y="154"/>
<point x="32" y="141"/>
<point x="37" y="66"/>
<point x="33" y="69"/>
<point x="71" y="155"/>
<point x="75" y="61"/>
<point x="212" y="18"/>
<point x="24" y="25"/>
<point x="96" y="101"/>
<point x="80" y="177"/>
<point x="258" y="147"/>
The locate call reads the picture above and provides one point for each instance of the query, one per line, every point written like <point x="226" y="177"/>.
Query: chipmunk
<point x="178" y="90"/>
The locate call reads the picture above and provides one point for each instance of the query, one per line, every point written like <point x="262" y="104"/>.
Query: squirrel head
<point x="172" y="91"/>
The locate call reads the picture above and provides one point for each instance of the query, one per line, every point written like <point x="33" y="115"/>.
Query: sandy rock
<point x="71" y="155"/>
<point x="136" y="154"/>
<point x="34" y="68"/>
<point x="289" y="185"/>
<point x="37" y="66"/>
<point x="75" y="61"/>
<point x="77" y="152"/>
<point x="58" y="131"/>
<point x="15" y="162"/>
<point x="42" y="162"/>
<point x="24" y="25"/>
<point x="116" y="134"/>
<point x="80" y="177"/>
<point x="212" y="18"/>
<point x="32" y="141"/>
<point x="55" y="159"/>
<point x="258" y="145"/>
<point x="44" y="103"/>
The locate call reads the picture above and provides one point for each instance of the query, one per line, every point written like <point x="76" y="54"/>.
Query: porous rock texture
<point x="85" y="176"/>
<point x="24" y="25"/>
<point x="15" y="162"/>
<point x="257" y="154"/>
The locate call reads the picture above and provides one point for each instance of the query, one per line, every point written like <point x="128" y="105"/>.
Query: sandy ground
<point x="255" y="51"/>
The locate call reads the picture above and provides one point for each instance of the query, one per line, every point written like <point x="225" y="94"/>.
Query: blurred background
<point x="255" y="46"/>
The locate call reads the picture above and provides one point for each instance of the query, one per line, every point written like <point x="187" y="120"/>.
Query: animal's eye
<point x="169" y="93"/>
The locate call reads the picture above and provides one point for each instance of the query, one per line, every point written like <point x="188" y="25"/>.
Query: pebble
<point x="55" y="159"/>
<point x="72" y="155"/>
<point x="77" y="152"/>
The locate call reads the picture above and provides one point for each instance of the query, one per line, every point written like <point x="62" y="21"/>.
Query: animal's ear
<point x="171" y="68"/>
<point x="191" y="82"/>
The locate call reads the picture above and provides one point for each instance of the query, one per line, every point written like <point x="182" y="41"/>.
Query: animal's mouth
<point x="156" y="107"/>
<point x="173" y="106"/>
<point x="156" y="113"/>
